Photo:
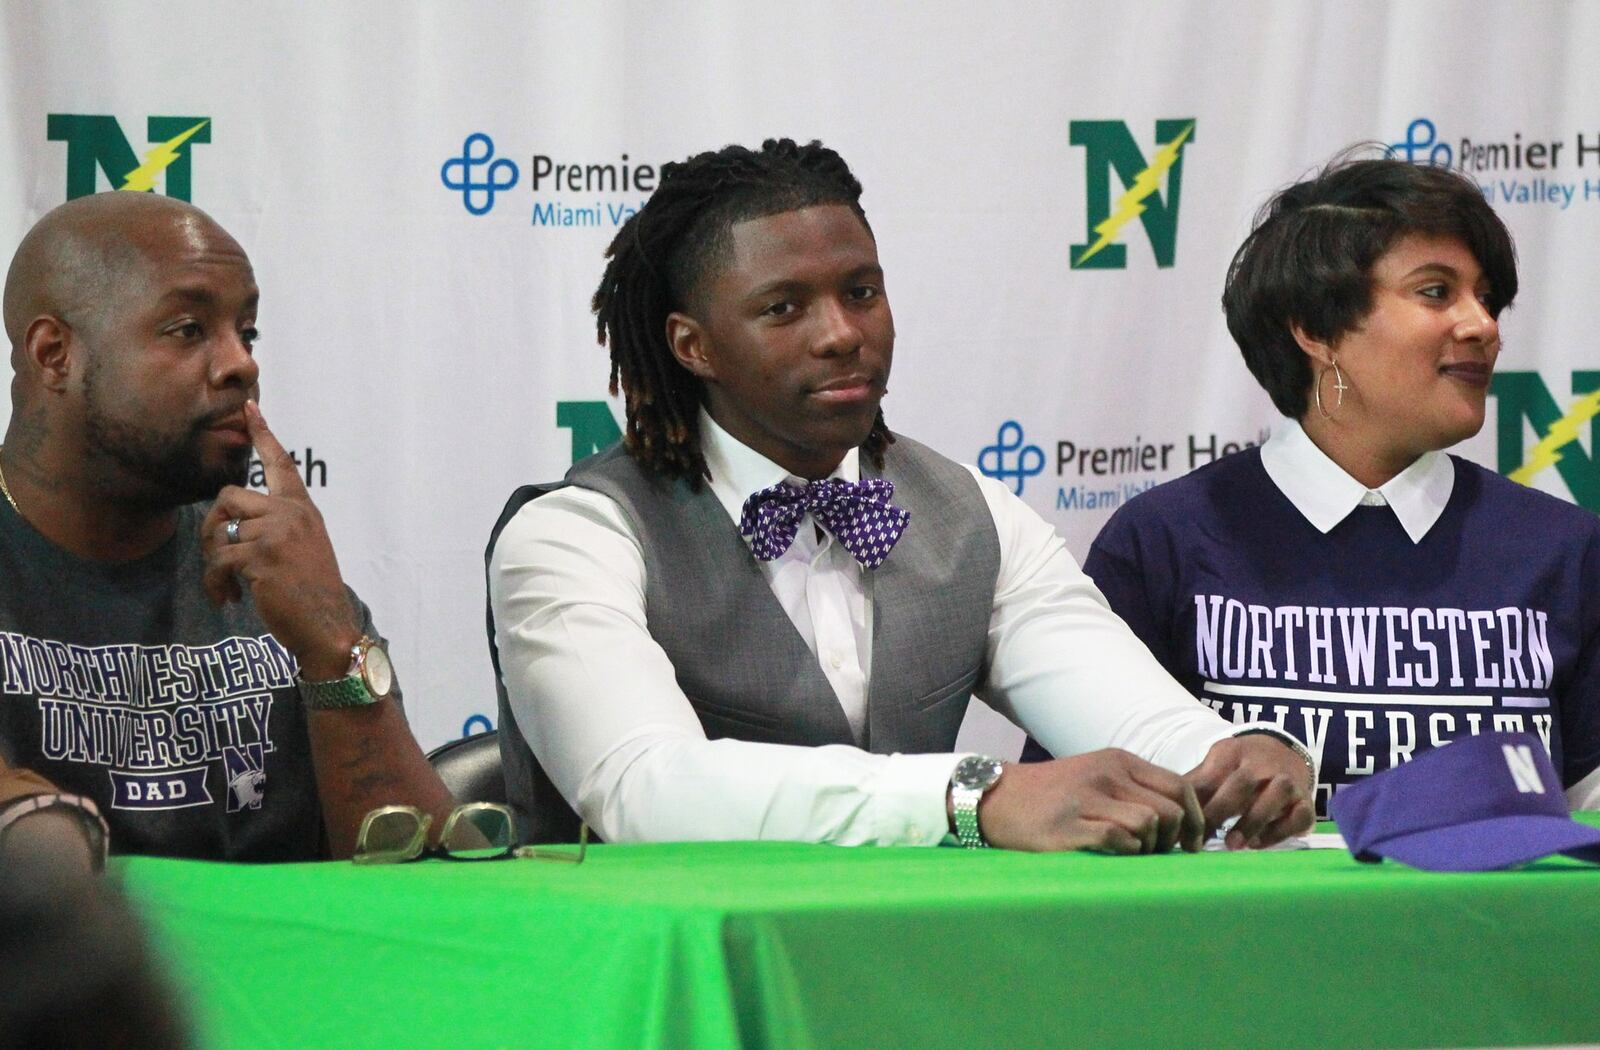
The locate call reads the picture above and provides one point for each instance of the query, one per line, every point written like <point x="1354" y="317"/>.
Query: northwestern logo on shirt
<point x="247" y="776"/>
<point x="157" y="717"/>
<point x="1366" y="687"/>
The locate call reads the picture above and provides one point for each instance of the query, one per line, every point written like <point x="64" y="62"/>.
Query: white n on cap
<point x="1524" y="771"/>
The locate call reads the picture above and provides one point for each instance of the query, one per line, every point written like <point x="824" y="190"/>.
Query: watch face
<point x="377" y="670"/>
<point x="976" y="771"/>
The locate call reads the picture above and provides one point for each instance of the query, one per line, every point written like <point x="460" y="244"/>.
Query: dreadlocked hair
<point x="657" y="261"/>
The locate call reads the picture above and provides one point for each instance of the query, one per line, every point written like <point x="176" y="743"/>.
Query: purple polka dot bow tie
<point x="858" y="514"/>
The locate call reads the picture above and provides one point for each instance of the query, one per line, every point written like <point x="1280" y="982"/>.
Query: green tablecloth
<point x="781" y="945"/>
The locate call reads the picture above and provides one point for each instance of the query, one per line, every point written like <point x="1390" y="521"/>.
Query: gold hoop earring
<point x="1339" y="387"/>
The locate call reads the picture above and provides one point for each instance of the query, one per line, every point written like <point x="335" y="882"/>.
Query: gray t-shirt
<point x="182" y="721"/>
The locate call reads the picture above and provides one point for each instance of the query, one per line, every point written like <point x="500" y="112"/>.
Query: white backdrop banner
<point x="426" y="191"/>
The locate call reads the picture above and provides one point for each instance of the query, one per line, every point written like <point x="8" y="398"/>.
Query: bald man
<point x="192" y="677"/>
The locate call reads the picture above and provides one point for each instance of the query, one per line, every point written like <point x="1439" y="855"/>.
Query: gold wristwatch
<point x="370" y="679"/>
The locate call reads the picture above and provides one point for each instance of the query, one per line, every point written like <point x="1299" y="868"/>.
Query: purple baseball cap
<point x="1480" y="803"/>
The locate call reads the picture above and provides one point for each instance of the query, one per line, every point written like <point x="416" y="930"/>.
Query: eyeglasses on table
<point x="472" y="831"/>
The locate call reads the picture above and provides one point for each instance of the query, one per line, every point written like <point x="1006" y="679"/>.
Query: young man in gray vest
<point x="194" y="678"/>
<point x="763" y="614"/>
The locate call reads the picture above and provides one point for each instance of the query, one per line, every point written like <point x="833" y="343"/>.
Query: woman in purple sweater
<point x="1348" y="579"/>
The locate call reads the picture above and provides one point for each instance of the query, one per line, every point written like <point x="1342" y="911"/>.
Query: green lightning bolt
<point x="156" y="160"/>
<point x="1562" y="432"/>
<point x="1130" y="204"/>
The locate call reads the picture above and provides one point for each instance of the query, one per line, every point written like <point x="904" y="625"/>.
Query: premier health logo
<point x="1100" y="476"/>
<point x="1514" y="170"/>
<point x="1422" y="146"/>
<point x="566" y="193"/>
<point x="477" y="196"/>
<point x="996" y="460"/>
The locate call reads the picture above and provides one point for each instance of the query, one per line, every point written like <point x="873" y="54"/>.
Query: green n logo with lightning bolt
<point x="96" y="143"/>
<point x="1111" y="147"/>
<point x="1523" y="396"/>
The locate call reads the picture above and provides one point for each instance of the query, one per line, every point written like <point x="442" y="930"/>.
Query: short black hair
<point x="658" y="263"/>
<point x="1308" y="260"/>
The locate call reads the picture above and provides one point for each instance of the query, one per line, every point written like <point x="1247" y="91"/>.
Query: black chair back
<point x="470" y="768"/>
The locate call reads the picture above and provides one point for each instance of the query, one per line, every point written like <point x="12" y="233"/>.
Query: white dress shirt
<point x="1325" y="495"/>
<point x="599" y="701"/>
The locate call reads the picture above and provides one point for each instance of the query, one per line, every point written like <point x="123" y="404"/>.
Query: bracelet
<point x="1282" y="735"/>
<point x="88" y="814"/>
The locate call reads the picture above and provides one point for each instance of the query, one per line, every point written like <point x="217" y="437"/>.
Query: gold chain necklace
<point x="7" y="488"/>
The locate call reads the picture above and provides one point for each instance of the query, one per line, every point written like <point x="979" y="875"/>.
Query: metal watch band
<point x="973" y="777"/>
<point x="965" y="803"/>
<point x="350" y="691"/>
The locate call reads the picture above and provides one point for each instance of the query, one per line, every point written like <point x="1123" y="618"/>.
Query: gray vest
<point x="739" y="658"/>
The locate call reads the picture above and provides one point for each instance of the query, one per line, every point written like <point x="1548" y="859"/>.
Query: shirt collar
<point x="738" y="471"/>
<point x="1325" y="495"/>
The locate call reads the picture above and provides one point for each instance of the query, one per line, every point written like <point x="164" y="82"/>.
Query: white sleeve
<point x="1066" y="668"/>
<point x="599" y="702"/>
<point x="1585" y="794"/>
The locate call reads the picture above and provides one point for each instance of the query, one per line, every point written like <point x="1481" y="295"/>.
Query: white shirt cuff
<point x="910" y="793"/>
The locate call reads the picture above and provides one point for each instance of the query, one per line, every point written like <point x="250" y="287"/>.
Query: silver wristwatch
<point x="973" y="776"/>
<point x="370" y="679"/>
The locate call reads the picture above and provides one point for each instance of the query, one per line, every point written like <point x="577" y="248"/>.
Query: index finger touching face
<point x="281" y="471"/>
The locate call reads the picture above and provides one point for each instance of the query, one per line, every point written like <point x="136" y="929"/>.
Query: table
<point x="787" y="945"/>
